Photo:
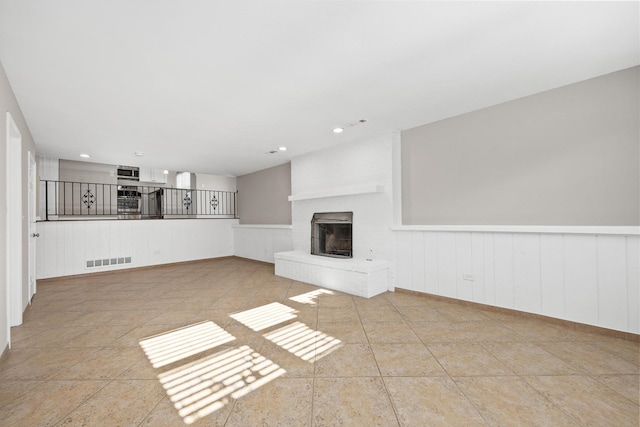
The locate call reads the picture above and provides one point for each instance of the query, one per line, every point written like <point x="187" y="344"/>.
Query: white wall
<point x="65" y="246"/>
<point x="586" y="278"/>
<point x="260" y="242"/>
<point x="8" y="103"/>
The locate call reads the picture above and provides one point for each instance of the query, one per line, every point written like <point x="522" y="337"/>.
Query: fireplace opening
<point x="331" y="234"/>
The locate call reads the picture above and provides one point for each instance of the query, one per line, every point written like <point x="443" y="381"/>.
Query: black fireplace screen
<point x="331" y="234"/>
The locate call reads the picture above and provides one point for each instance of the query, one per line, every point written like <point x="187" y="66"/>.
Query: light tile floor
<point x="234" y="345"/>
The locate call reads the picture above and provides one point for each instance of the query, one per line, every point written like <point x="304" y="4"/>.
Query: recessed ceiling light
<point x="86" y="156"/>
<point x="338" y="130"/>
<point x="139" y="154"/>
<point x="358" y="122"/>
<point x="282" y="148"/>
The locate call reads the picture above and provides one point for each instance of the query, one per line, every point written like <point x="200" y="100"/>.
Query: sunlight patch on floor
<point x="306" y="343"/>
<point x="169" y="347"/>
<point x="200" y="388"/>
<point x="310" y="297"/>
<point x="262" y="317"/>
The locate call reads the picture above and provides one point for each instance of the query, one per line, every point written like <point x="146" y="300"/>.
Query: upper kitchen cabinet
<point x="153" y="175"/>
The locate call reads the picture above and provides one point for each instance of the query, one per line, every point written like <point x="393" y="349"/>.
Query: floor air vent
<point x="106" y="262"/>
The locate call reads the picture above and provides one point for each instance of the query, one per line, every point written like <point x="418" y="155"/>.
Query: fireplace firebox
<point x="331" y="234"/>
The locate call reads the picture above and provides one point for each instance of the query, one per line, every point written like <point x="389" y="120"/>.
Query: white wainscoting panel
<point x="463" y="266"/>
<point x="417" y="242"/>
<point x="260" y="242"/>
<point x="430" y="263"/>
<point x="447" y="264"/>
<point x="64" y="247"/>
<point x="590" y="279"/>
<point x="526" y="273"/>
<point x="633" y="279"/>
<point x="612" y="281"/>
<point x="478" y="267"/>
<point x="552" y="275"/>
<point x="581" y="278"/>
<point x="503" y="269"/>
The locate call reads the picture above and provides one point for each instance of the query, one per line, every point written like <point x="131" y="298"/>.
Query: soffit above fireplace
<point x="339" y="191"/>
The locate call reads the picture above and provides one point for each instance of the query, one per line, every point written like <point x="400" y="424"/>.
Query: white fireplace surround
<point x="357" y="178"/>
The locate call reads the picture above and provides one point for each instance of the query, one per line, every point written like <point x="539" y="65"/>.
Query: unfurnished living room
<point x="314" y="213"/>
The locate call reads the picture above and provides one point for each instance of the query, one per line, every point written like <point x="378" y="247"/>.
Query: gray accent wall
<point x="77" y="171"/>
<point x="263" y="196"/>
<point x="568" y="156"/>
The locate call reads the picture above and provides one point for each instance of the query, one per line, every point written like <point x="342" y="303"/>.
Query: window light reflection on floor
<point x="202" y="387"/>
<point x="309" y="297"/>
<point x="262" y="317"/>
<point x="179" y="344"/>
<point x="299" y="339"/>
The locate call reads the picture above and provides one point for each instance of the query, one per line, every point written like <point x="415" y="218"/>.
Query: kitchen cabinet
<point x="153" y="175"/>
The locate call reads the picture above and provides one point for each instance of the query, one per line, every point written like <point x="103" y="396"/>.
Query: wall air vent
<point x="107" y="262"/>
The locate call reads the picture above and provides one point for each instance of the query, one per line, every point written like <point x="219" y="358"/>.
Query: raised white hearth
<point x="354" y="276"/>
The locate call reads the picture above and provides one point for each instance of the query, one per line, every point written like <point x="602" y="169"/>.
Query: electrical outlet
<point x="468" y="277"/>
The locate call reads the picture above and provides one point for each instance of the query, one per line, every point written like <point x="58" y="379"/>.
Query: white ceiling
<point x="212" y="86"/>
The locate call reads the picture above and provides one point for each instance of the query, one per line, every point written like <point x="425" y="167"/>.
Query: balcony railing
<point x="83" y="200"/>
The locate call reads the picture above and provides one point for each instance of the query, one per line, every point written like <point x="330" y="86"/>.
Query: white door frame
<point x="14" y="224"/>
<point x="31" y="214"/>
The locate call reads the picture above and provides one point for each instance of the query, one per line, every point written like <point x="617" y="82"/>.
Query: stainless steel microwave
<point x="129" y="172"/>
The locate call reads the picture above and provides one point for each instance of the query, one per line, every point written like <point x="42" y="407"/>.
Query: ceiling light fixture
<point x="166" y="172"/>
<point x="357" y="122"/>
<point x="349" y="125"/>
<point x="282" y="148"/>
<point x="139" y="153"/>
<point x="85" y="156"/>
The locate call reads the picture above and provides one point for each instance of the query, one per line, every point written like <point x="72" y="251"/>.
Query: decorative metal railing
<point x="78" y="200"/>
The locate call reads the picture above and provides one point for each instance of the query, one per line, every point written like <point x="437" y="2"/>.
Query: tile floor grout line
<point x="553" y="404"/>
<point x="64" y="417"/>
<point x="315" y="364"/>
<point x="151" y="411"/>
<point x="594" y="377"/>
<point x="384" y="384"/>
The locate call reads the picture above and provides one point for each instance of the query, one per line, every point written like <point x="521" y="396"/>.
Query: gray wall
<point x="568" y="156"/>
<point x="262" y="196"/>
<point x="77" y="171"/>
<point x="8" y="103"/>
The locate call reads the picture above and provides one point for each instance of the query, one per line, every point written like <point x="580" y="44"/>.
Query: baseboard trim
<point x="128" y="270"/>
<point x="257" y="261"/>
<point x="628" y="336"/>
<point x="5" y="355"/>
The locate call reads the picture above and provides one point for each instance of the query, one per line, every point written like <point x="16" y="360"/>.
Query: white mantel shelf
<point x="276" y="226"/>
<point x="338" y="192"/>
